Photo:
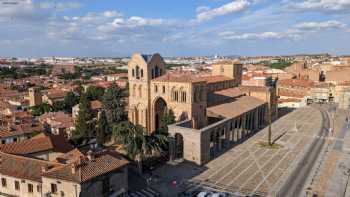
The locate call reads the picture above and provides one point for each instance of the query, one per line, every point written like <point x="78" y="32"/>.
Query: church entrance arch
<point x="160" y="108"/>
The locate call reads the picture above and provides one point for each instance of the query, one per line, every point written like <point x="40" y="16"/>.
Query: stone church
<point x="197" y="101"/>
<point x="152" y="91"/>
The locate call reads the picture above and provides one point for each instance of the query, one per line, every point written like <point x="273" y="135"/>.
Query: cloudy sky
<point x="39" y="28"/>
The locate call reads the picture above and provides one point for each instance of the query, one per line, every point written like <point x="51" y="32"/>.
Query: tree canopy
<point x="114" y="104"/>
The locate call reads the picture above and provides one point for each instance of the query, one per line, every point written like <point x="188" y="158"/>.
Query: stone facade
<point x="153" y="91"/>
<point x="202" y="145"/>
<point x="34" y="97"/>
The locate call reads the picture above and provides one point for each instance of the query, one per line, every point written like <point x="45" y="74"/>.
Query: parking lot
<point x="248" y="168"/>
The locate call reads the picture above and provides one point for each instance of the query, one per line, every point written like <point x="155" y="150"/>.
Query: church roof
<point x="147" y="57"/>
<point x="236" y="108"/>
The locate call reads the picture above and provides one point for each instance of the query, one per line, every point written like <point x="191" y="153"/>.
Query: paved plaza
<point x="249" y="168"/>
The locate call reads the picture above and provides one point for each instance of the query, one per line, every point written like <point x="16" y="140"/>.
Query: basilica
<point x="212" y="111"/>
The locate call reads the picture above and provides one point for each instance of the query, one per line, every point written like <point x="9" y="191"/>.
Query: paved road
<point x="295" y="183"/>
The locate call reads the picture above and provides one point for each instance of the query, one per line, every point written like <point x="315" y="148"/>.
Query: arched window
<point x="176" y="96"/>
<point x="163" y="89"/>
<point x="133" y="72"/>
<point x="137" y="72"/>
<point x="156" y="88"/>
<point x="173" y="94"/>
<point x="156" y="72"/>
<point x="152" y="73"/>
<point x="183" y="97"/>
<point x="141" y="73"/>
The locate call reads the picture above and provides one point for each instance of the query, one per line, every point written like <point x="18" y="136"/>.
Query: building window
<point x="133" y="72"/>
<point x="53" y="188"/>
<point x="38" y="188"/>
<point x="156" y="88"/>
<point x="3" y="141"/>
<point x="163" y="89"/>
<point x="30" y="188"/>
<point x="137" y="72"/>
<point x="176" y="96"/>
<point x="183" y="97"/>
<point x="17" y="187"/>
<point x="153" y="73"/>
<point x="3" y="182"/>
<point x="141" y="73"/>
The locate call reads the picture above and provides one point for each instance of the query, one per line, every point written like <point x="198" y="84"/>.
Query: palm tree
<point x="136" y="142"/>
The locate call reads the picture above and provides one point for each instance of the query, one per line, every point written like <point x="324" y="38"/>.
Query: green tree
<point x="70" y="100"/>
<point x="94" y="93"/>
<point x="58" y="106"/>
<point x="167" y="119"/>
<point x="83" y="124"/>
<point x="114" y="104"/>
<point x="102" y="128"/>
<point x="136" y="143"/>
<point x="41" y="109"/>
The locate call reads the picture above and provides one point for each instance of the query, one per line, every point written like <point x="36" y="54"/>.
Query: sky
<point x="115" y="28"/>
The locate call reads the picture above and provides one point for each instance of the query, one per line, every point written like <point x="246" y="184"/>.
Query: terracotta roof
<point x="24" y="167"/>
<point x="216" y="78"/>
<point x="296" y="82"/>
<point x="21" y="129"/>
<point x="234" y="109"/>
<point x="288" y="100"/>
<point x="56" y="94"/>
<point x="83" y="169"/>
<point x="180" y="78"/>
<point x="57" y="119"/>
<point x="254" y="88"/>
<point x="37" y="144"/>
<point x="295" y="94"/>
<point x="95" y="105"/>
<point x="230" y="92"/>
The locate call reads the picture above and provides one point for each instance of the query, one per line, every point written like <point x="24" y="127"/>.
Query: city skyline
<point x="81" y="28"/>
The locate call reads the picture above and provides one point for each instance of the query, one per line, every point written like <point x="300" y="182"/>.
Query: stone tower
<point x="141" y="70"/>
<point x="34" y="97"/>
<point x="229" y="69"/>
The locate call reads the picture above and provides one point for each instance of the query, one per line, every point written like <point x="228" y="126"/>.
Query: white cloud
<point x="262" y="36"/>
<point x="321" y="5"/>
<point x="295" y="33"/>
<point x="316" y="26"/>
<point x="233" y="7"/>
<point x="59" y="6"/>
<point x="202" y="9"/>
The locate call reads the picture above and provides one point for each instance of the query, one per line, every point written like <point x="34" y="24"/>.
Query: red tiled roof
<point x="24" y="167"/>
<point x="180" y="78"/>
<point x="230" y="92"/>
<point x="95" y="105"/>
<point x="254" y="88"/>
<point x="37" y="144"/>
<point x="296" y="82"/>
<point x="216" y="78"/>
<point x="85" y="169"/>
<point x="234" y="109"/>
<point x="21" y="129"/>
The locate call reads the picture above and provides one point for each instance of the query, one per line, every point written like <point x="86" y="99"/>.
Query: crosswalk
<point x="148" y="192"/>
